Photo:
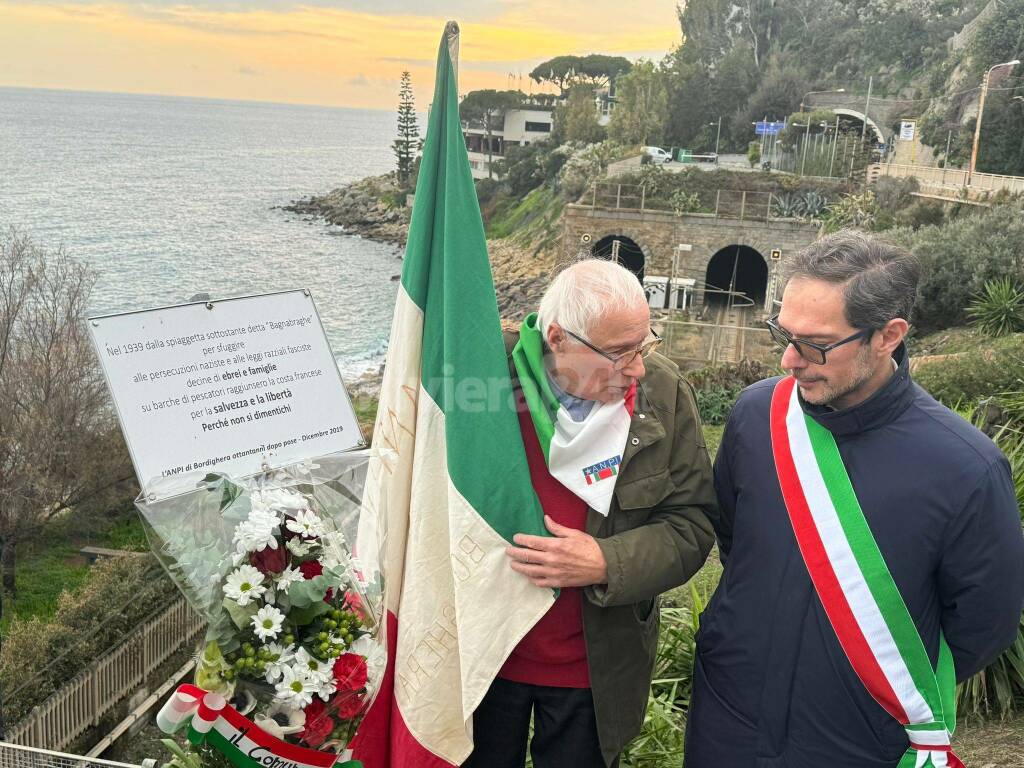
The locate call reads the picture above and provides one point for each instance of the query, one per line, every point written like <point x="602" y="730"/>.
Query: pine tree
<point x="407" y="143"/>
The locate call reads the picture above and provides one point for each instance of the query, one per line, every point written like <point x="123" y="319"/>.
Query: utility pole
<point x="867" y="106"/>
<point x="835" y="142"/>
<point x="945" y="158"/>
<point x="981" y="110"/>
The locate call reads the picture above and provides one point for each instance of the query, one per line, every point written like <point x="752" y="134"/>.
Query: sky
<point x="336" y="53"/>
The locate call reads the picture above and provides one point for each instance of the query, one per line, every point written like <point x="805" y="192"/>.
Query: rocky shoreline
<point x="375" y="208"/>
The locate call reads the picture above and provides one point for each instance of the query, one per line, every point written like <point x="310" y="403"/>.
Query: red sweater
<point x="554" y="652"/>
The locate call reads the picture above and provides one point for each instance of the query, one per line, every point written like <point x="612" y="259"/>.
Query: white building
<point x="516" y="127"/>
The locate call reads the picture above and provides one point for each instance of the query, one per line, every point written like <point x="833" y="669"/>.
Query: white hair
<point x="582" y="293"/>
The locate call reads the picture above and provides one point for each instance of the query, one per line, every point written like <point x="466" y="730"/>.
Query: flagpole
<point x="451" y="36"/>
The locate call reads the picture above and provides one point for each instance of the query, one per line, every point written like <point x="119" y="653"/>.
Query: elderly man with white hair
<point x="618" y="461"/>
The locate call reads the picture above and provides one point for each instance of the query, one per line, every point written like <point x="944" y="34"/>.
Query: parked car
<point x="658" y="154"/>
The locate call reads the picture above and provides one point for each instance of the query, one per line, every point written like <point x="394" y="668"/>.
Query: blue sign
<point x="768" y="127"/>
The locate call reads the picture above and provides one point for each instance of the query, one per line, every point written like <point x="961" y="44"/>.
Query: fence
<point x="82" y="702"/>
<point x="727" y="203"/>
<point x="952" y="179"/>
<point x="15" y="756"/>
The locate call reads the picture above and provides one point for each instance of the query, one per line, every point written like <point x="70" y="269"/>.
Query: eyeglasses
<point x="626" y="358"/>
<point x="808" y="350"/>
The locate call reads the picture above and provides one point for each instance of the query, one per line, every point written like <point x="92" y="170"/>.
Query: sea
<point x="168" y="197"/>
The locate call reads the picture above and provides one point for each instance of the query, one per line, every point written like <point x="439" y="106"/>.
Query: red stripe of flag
<point x="818" y="565"/>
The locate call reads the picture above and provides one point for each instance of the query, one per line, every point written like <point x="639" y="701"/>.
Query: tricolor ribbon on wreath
<point x="211" y="720"/>
<point x="855" y="587"/>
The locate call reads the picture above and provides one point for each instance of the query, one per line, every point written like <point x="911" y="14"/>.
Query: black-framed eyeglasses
<point x="808" y="350"/>
<point x="621" y="361"/>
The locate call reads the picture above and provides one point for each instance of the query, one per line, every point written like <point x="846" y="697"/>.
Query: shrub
<point x="893" y="193"/>
<point x="920" y="213"/>
<point x="40" y="655"/>
<point x="967" y="377"/>
<point x="958" y="258"/>
<point x="852" y="211"/>
<point x="998" y="309"/>
<point x="718" y="386"/>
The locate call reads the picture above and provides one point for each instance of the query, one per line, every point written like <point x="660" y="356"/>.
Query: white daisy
<point x="306" y="523"/>
<point x="267" y="622"/>
<point x="295" y="689"/>
<point x="288" y="577"/>
<point x="312" y="667"/>
<point x="281" y="721"/>
<point x="375" y="655"/>
<point x="244" y="585"/>
<point x="327" y="689"/>
<point x="285" y="656"/>
<point x="256" y="532"/>
<point x="298" y="547"/>
<point x="282" y="498"/>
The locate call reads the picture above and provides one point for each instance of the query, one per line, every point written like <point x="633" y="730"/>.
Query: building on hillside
<point x="521" y="126"/>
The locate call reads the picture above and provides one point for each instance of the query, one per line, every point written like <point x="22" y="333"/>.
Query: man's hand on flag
<point x="571" y="559"/>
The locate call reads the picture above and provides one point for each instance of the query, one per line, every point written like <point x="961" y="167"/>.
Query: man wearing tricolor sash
<point x="617" y="461"/>
<point x="870" y="537"/>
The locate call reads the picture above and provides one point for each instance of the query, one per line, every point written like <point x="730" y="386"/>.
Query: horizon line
<point x="149" y="94"/>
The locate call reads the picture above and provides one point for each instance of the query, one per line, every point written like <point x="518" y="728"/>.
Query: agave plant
<point x="998" y="309"/>
<point x="788" y="205"/>
<point x="813" y="205"/>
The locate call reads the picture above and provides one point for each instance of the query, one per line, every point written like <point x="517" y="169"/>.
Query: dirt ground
<point x="991" y="744"/>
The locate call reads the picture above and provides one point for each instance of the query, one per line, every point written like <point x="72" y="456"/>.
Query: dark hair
<point x="879" y="278"/>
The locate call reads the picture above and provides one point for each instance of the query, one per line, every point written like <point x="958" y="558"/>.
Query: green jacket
<point x="656" y="536"/>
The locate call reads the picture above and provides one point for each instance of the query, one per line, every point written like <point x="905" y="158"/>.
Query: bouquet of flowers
<point x="293" y="655"/>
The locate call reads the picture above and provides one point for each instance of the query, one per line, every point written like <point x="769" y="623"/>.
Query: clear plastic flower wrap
<point x="294" y="641"/>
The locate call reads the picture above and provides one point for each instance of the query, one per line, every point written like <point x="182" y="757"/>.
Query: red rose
<point x="311" y="569"/>
<point x="347" y="704"/>
<point x="318" y="725"/>
<point x="268" y="560"/>
<point x="350" y="672"/>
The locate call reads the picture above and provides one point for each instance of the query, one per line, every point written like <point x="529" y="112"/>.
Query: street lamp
<point x="981" y="110"/>
<point x="718" y="136"/>
<point x="811" y="93"/>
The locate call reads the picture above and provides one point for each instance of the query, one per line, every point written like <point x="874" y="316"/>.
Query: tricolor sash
<point x="211" y="720"/>
<point x="855" y="587"/>
<point x="584" y="456"/>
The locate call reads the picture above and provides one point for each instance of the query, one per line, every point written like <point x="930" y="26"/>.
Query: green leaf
<point x="305" y="593"/>
<point x="241" y="615"/>
<point x="303" y="616"/>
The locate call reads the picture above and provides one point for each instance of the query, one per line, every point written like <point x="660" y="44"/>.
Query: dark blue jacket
<point x="772" y="687"/>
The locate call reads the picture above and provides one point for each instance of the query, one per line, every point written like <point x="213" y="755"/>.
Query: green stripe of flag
<point x="465" y="369"/>
<point x="872" y="565"/>
<point x="540" y="399"/>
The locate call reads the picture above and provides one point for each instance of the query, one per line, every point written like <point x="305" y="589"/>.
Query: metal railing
<point x="951" y="178"/>
<point x="17" y="756"/>
<point x="727" y="204"/>
<point x="84" y="700"/>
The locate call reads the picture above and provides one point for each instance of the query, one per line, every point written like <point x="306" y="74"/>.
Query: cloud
<point x="340" y="53"/>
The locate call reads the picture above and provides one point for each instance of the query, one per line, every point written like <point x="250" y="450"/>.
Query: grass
<point x="533" y="219"/>
<point x="950" y="341"/>
<point x="53" y="563"/>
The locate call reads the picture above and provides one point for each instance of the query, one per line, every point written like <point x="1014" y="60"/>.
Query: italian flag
<point x="853" y="582"/>
<point x="211" y="720"/>
<point x="584" y="456"/>
<point x="448" y="482"/>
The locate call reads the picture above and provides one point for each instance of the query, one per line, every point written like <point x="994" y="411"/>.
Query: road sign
<point x="768" y="127"/>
